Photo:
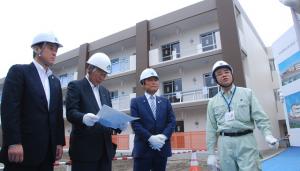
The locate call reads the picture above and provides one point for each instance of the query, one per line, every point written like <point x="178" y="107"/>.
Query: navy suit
<point x="88" y="144"/>
<point x="146" y="126"/>
<point x="25" y="116"/>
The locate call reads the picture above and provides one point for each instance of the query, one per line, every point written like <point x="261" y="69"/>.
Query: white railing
<point x="192" y="95"/>
<point x="122" y="102"/>
<point x="155" y="55"/>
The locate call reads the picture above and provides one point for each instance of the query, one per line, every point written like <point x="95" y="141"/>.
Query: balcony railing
<point x="155" y="55"/>
<point x="192" y="95"/>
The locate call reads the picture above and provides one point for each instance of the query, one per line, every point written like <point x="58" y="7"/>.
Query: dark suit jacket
<point x="146" y="126"/>
<point x="25" y="116"/>
<point x="87" y="143"/>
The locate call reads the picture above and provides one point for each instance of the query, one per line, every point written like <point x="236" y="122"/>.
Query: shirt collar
<point x="148" y="95"/>
<point x="41" y="69"/>
<point x="229" y="92"/>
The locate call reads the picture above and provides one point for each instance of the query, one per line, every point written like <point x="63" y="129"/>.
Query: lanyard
<point x="228" y="103"/>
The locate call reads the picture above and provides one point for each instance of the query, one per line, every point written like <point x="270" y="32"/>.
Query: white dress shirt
<point x="96" y="92"/>
<point x="44" y="75"/>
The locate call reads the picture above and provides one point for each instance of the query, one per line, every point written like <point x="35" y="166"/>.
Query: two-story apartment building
<point x="182" y="47"/>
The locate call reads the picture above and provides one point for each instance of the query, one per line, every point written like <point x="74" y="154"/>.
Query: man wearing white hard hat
<point x="32" y="111"/>
<point x="91" y="146"/>
<point x="231" y="117"/>
<point x="153" y="131"/>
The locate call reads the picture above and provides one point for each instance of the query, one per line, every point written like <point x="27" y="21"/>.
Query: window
<point x="208" y="41"/>
<point x="120" y="64"/>
<point x="211" y="85"/>
<point x="170" y="88"/>
<point x="115" y="67"/>
<point x="169" y="51"/>
<point x="114" y="94"/>
<point x="65" y="79"/>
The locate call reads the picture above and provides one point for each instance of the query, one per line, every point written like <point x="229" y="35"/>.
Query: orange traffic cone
<point x="194" y="162"/>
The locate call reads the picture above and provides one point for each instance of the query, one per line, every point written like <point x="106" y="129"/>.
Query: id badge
<point x="229" y="116"/>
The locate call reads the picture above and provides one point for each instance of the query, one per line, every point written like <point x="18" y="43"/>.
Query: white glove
<point x="90" y="119"/>
<point x="123" y="126"/>
<point x="162" y="137"/>
<point x="212" y="160"/>
<point x="155" y="142"/>
<point x="273" y="142"/>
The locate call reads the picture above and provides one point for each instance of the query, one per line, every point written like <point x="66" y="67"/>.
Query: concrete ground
<point x="181" y="162"/>
<point x="178" y="162"/>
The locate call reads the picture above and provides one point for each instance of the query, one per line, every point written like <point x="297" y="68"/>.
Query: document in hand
<point x="112" y="118"/>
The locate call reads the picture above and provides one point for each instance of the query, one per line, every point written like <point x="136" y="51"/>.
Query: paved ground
<point x="288" y="160"/>
<point x="181" y="162"/>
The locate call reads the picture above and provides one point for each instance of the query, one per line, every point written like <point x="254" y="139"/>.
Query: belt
<point x="236" y="134"/>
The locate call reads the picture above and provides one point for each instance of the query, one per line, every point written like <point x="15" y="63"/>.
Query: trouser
<point x="156" y="163"/>
<point x="104" y="164"/>
<point x="45" y="165"/>
<point x="239" y="153"/>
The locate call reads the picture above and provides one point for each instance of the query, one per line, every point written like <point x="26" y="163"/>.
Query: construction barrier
<point x="195" y="140"/>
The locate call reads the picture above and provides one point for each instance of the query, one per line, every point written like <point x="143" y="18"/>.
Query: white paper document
<point x="112" y="118"/>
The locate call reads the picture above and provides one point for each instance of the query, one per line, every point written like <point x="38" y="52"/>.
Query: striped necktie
<point x="153" y="106"/>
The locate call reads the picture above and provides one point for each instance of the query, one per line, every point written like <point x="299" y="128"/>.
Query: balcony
<point x="193" y="95"/>
<point x="122" y="103"/>
<point x="123" y="64"/>
<point x="187" y="50"/>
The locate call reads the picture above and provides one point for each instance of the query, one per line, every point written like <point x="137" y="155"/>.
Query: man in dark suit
<point x="153" y="130"/>
<point x="91" y="147"/>
<point x="32" y="111"/>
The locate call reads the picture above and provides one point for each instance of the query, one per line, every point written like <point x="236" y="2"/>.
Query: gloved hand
<point x="212" y="160"/>
<point x="273" y="142"/>
<point x="124" y="126"/>
<point x="155" y="142"/>
<point x="90" y="119"/>
<point x="162" y="137"/>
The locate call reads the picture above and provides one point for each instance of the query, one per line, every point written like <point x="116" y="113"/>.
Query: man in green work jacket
<point x="231" y="117"/>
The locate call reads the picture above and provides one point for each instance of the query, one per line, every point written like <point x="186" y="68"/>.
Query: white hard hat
<point x="147" y="73"/>
<point x="45" y="37"/>
<point x="100" y="60"/>
<point x="218" y="65"/>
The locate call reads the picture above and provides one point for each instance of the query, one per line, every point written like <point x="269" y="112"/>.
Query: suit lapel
<point x="158" y="107"/>
<point x="52" y="90"/>
<point x="102" y="96"/>
<point x="39" y="86"/>
<point x="90" y="93"/>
